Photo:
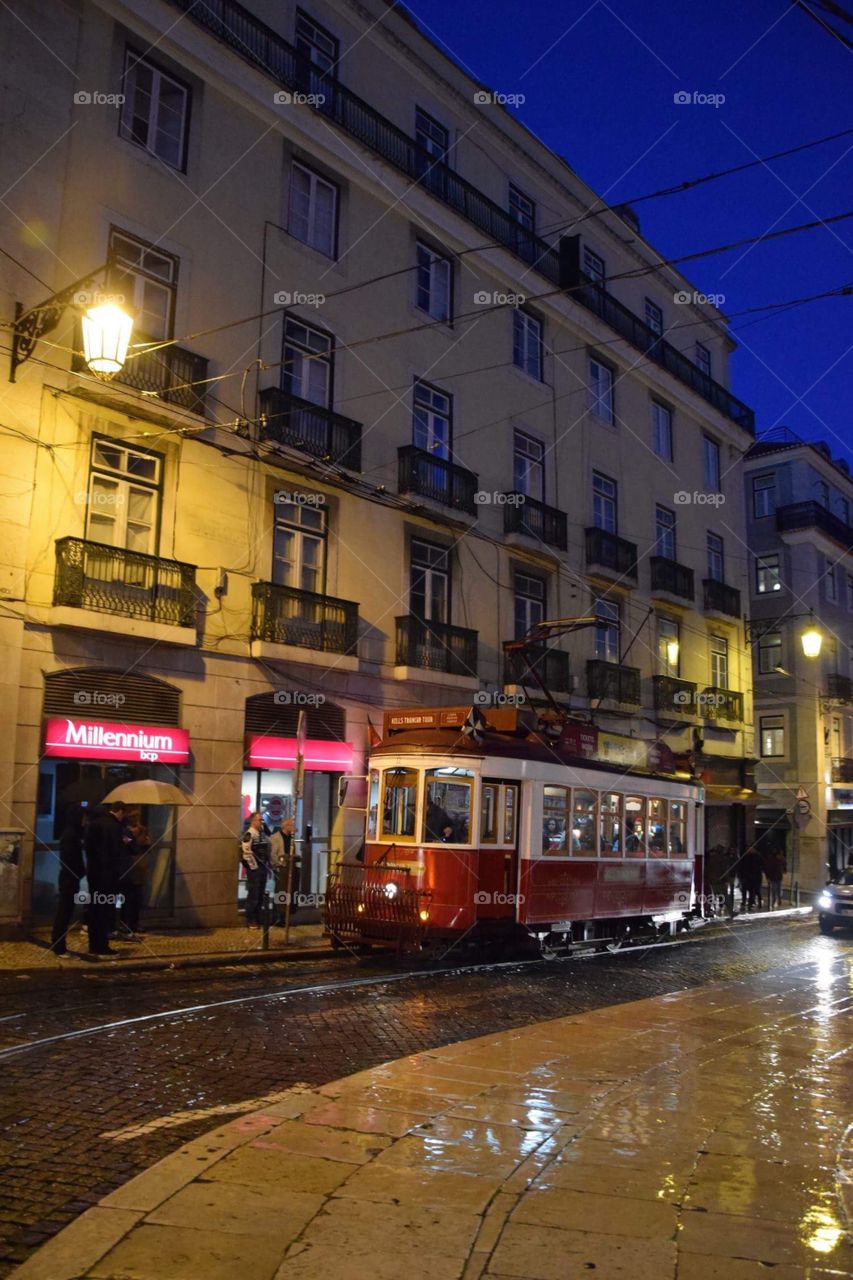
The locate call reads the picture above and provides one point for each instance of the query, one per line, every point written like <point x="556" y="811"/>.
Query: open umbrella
<point x="147" y="791"/>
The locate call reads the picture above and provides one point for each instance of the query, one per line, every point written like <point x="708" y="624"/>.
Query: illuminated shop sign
<point x="266" y="752"/>
<point x="102" y="740"/>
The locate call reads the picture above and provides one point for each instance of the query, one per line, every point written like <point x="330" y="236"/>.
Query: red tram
<point x="482" y="830"/>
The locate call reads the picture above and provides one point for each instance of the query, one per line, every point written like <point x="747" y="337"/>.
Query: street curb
<point x="212" y="960"/>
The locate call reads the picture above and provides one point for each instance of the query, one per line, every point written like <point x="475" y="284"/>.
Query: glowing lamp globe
<point x="811" y="640"/>
<point x="672" y="649"/>
<point x="106" y="335"/>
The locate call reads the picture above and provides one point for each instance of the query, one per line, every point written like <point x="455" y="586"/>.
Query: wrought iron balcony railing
<point x="720" y="704"/>
<point x="676" y="696"/>
<point x="536" y="519"/>
<point x="285" y="615"/>
<point x="431" y="477"/>
<point x="842" y="769"/>
<point x="552" y="665"/>
<point x="264" y="48"/>
<point x="812" y="515"/>
<point x="839" y="688"/>
<point x="310" y="428"/>
<point x="436" y="646"/>
<point x="171" y="374"/>
<point x="670" y="576"/>
<point x="719" y="597"/>
<point x="604" y="550"/>
<point x="613" y="681"/>
<point x="94" y="575"/>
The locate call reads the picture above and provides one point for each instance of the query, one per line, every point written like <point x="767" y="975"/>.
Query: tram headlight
<point x="391" y="890"/>
<point x="825" y="902"/>
<point x="360" y="908"/>
<point x="423" y="915"/>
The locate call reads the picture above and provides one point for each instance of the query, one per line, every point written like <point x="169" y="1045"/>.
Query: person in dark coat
<point x="749" y="874"/>
<point x="134" y="871"/>
<point x="105" y="847"/>
<point x="775" y="865"/>
<point x="72" y="868"/>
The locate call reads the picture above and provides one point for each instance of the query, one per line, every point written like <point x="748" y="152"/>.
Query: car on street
<point x="835" y="903"/>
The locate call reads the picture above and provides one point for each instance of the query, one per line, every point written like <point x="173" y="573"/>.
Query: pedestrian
<point x="282" y="851"/>
<point x="775" y="865"/>
<point x="749" y="874"/>
<point x="72" y="868"/>
<point x="255" y="855"/>
<point x="133" y="876"/>
<point x="719" y="876"/>
<point x="104" y="846"/>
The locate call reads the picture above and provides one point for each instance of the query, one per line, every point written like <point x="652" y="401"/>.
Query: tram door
<point x="498" y="864"/>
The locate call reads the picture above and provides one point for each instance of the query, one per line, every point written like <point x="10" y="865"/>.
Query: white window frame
<point x="654" y="317"/>
<point x="522" y="208"/>
<point x="528" y="465"/>
<point x="602" y="399"/>
<point x="594" y="266"/>
<point x="605" y="498"/>
<point x="527" y="344"/>
<point x="308" y="31"/>
<point x="432" y="408"/>
<point x="765" y="486"/>
<point x="608" y="630"/>
<point x="718" y="655"/>
<point x="132" y="62"/>
<point x="665" y="533"/>
<point x="714" y="550"/>
<point x="778" y="727"/>
<point x="122" y="482"/>
<point x="662" y="441"/>
<point x="767" y="664"/>
<point x="311" y="353"/>
<point x="316" y="184"/>
<point x="711" y="463"/>
<point x="702" y="359"/>
<point x="768" y="575"/>
<point x="433" y="283"/>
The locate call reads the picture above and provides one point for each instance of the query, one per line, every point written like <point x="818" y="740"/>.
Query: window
<point x="711" y="463"/>
<point x="703" y="358"/>
<point x="555" y="820"/>
<point x="830" y="583"/>
<point x="313" y="210"/>
<point x="844" y="510"/>
<point x="399" y="803"/>
<point x="669" y="646"/>
<point x="604" y="513"/>
<point x="662" y="430"/>
<point x="307" y="363"/>
<point x="657" y="828"/>
<point x="822" y="489"/>
<point x="447" y="816"/>
<point x="677" y="827"/>
<point x="584" y="823"/>
<point x="434" y="283"/>
<point x="429" y="584"/>
<point x="719" y="652"/>
<point x="716" y="558"/>
<point x="837" y="739"/>
<point x="772" y="736"/>
<point x="316" y="43"/>
<point x="430" y="135"/>
<point x="767" y="574"/>
<point x="521" y="208"/>
<point x="431" y="420"/>
<point x="528" y="466"/>
<point x="635" y="826"/>
<point x="527" y="343"/>
<point x="607" y="630"/>
<point x="611" y="823"/>
<point x="763" y="496"/>
<point x="654" y="317"/>
<point x="124" y="496"/>
<point x="593" y="266"/>
<point x="665" y="533"/>
<point x="497" y="819"/>
<point x="147" y="278"/>
<point x="529" y="602"/>
<point x="769" y="652"/>
<point x="373" y="805"/>
<point x="299" y="545"/>
<point x="601" y="391"/>
<point x="155" y="112"/>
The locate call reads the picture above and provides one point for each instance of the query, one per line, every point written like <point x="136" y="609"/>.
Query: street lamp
<point x="106" y="326"/>
<point x="812" y="640"/>
<point x="106" y="334"/>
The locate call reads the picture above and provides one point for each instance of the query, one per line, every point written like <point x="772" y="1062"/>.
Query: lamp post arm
<point x="32" y="325"/>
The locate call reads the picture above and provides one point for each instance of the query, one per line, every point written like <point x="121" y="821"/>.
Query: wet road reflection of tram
<point x="505" y="832"/>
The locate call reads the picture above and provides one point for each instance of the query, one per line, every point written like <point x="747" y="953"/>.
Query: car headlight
<point x="825" y="902"/>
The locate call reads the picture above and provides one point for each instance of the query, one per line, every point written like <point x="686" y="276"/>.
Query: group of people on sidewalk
<point x="266" y="853"/>
<point x="727" y="868"/>
<point x="108" y="846"/>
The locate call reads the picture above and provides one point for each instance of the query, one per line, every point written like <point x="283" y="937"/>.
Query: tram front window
<point x="448" y="806"/>
<point x="400" y="803"/>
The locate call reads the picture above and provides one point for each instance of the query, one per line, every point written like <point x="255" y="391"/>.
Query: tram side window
<point x="489" y="814"/>
<point x="400" y="803"/>
<point x="373" y="805"/>
<point x="678" y="827"/>
<point x="635" y="826"/>
<point x="584" y="822"/>
<point x="611" y="823"/>
<point x="555" y="820"/>
<point x="509" y="815"/>
<point x="657" y="828"/>
<point x="448" y="806"/>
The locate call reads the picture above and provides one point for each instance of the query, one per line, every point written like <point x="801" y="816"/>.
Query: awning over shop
<point x="264" y="751"/>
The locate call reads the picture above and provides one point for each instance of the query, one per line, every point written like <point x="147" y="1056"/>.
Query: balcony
<point x="839" y="688"/>
<point x="436" y="646"/>
<point x="812" y="515"/>
<point x="310" y="428"/>
<point x="552" y="666"/>
<point x="435" y="478"/>
<point x="284" y="615"/>
<point x="263" y="48"/>
<point x="605" y="551"/>
<point x="172" y="374"/>
<point x="612" y="681"/>
<point x="720" y="704"/>
<point x="719" y="597"/>
<point x="842" y="769"/>
<point x="677" y="697"/>
<point x="536" y="520"/>
<point x="128" y="584"/>
<point x="670" y="576"/>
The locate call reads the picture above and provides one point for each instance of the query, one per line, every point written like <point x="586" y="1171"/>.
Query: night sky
<point x="601" y="95"/>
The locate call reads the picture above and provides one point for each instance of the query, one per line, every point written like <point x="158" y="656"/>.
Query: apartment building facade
<point x="397" y="398"/>
<point x="799" y="500"/>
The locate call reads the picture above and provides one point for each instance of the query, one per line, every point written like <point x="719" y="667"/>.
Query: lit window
<point x="555" y="820"/>
<point x="399" y="803"/>
<point x="447" y="816"/>
<point x="772" y="735"/>
<point x="719" y="654"/>
<point x="767" y="574"/>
